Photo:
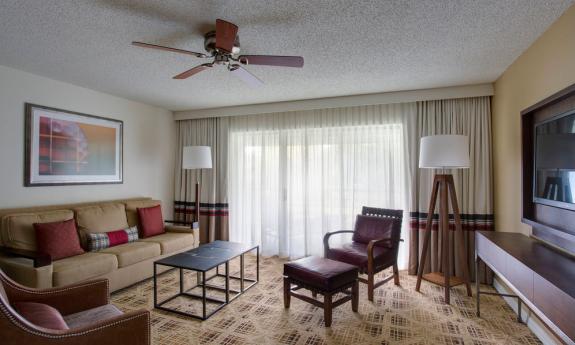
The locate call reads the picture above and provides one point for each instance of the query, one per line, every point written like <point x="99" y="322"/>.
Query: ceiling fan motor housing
<point x="210" y="43"/>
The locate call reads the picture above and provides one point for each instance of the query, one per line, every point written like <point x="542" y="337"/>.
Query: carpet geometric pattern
<point x="398" y="315"/>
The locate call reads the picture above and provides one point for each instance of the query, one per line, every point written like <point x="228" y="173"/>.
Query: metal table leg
<point x="155" y="287"/>
<point x="181" y="280"/>
<point x="227" y="282"/>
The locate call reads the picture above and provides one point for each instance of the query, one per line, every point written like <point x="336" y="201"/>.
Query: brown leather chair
<point x="375" y="245"/>
<point x="84" y="307"/>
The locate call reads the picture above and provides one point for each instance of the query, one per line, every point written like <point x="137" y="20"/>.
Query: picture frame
<point x="63" y="147"/>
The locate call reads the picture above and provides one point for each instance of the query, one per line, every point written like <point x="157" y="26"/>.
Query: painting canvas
<point x="64" y="147"/>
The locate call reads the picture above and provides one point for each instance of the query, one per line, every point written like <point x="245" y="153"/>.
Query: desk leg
<point x="519" y="310"/>
<point x="257" y="263"/>
<point x="242" y="273"/>
<point x="181" y="280"/>
<point x="204" y="295"/>
<point x="478" y="299"/>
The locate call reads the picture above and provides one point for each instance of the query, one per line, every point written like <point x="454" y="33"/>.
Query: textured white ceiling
<point x="350" y="46"/>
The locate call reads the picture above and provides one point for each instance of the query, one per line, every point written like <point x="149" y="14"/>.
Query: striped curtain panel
<point x="213" y="182"/>
<point x="474" y="186"/>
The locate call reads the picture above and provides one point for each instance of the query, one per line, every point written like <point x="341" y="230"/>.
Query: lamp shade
<point x="444" y="151"/>
<point x="197" y="157"/>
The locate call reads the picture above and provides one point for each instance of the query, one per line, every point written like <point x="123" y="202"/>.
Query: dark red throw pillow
<point x="151" y="222"/>
<point x="41" y="315"/>
<point x="58" y="239"/>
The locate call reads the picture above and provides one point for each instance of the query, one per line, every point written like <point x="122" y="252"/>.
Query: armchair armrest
<point x="129" y="328"/>
<point x="328" y="235"/>
<point x="40" y="259"/>
<point x="66" y="299"/>
<point x="393" y="244"/>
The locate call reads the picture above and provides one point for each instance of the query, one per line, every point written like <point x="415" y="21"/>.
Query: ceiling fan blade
<point x="246" y="76"/>
<point x="226" y="33"/>
<point x="272" y="60"/>
<point x="193" y="71"/>
<point x="175" y="50"/>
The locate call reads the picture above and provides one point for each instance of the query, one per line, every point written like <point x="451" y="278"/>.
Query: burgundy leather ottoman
<point x="324" y="276"/>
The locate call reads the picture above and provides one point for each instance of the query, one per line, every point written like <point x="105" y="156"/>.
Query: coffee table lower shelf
<point x="203" y="283"/>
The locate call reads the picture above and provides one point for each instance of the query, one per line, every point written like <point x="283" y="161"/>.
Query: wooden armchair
<point x="81" y="312"/>
<point x="375" y="245"/>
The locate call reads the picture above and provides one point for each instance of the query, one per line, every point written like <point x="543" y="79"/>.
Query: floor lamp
<point x="444" y="152"/>
<point x="196" y="157"/>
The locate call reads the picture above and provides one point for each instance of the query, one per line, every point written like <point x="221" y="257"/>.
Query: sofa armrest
<point x="185" y="229"/>
<point x="22" y="270"/>
<point x="39" y="259"/>
<point x="68" y="299"/>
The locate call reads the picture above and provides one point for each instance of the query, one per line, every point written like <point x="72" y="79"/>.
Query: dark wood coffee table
<point x="201" y="260"/>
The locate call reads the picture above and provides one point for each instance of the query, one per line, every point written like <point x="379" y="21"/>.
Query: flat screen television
<point x="554" y="176"/>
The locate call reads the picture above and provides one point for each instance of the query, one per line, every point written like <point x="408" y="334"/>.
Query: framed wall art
<point x="69" y="148"/>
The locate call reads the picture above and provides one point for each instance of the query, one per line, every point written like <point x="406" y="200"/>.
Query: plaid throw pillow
<point x="103" y="240"/>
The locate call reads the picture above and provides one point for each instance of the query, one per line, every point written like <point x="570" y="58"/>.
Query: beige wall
<point x="545" y="68"/>
<point x="148" y="142"/>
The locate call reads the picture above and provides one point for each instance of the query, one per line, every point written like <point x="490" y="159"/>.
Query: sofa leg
<point x="395" y="274"/>
<point x="287" y="295"/>
<point x="370" y="286"/>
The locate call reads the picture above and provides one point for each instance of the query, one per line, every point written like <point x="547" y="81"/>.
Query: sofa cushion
<point x="41" y="315"/>
<point x="131" y="253"/>
<point x="100" y="218"/>
<point x="171" y="242"/>
<point x="58" y="239"/>
<point x="132" y="207"/>
<point x="18" y="228"/>
<point x="81" y="267"/>
<point x="92" y="316"/>
<point x="102" y="240"/>
<point x="150" y="221"/>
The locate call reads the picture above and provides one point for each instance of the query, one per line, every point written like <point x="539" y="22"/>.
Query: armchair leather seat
<point x="355" y="253"/>
<point x="324" y="274"/>
<point x="92" y="316"/>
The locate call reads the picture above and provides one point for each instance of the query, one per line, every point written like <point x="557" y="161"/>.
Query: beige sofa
<point x="123" y="265"/>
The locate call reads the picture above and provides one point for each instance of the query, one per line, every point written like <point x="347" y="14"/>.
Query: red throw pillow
<point x="151" y="222"/>
<point x="58" y="239"/>
<point x="41" y="315"/>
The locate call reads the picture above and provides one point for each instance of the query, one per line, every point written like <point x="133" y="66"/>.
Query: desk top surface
<point x="552" y="265"/>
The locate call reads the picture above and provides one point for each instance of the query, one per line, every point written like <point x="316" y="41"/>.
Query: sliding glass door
<point x="289" y="186"/>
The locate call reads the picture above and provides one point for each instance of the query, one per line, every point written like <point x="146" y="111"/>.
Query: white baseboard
<point x="533" y="322"/>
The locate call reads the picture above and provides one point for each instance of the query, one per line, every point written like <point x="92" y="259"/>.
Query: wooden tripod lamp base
<point x="444" y="151"/>
<point x="444" y="187"/>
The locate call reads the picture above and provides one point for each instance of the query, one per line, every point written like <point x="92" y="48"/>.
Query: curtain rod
<point x="465" y="91"/>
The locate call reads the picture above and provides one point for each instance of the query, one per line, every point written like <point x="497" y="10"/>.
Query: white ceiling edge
<point x="464" y="91"/>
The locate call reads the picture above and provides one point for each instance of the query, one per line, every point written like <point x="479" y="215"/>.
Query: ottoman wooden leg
<point x="287" y="295"/>
<point x="327" y="309"/>
<point x="355" y="296"/>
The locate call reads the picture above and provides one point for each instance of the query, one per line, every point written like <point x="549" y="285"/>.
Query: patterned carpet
<point x="399" y="315"/>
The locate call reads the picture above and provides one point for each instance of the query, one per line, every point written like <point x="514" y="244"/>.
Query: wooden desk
<point x="543" y="278"/>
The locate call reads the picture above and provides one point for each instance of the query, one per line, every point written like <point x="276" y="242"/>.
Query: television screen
<point x="555" y="161"/>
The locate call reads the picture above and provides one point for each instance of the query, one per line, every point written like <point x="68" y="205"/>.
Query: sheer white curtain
<point x="295" y="176"/>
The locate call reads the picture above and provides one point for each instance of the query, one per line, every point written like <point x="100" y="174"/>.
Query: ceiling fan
<point x="223" y="46"/>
